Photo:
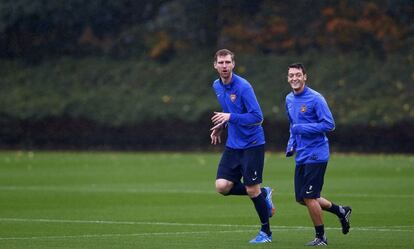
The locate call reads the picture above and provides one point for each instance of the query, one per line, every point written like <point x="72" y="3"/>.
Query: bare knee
<point x="311" y="202"/>
<point x="223" y="186"/>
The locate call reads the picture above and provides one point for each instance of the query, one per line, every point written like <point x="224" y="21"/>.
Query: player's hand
<point x="220" y="118"/>
<point x="216" y="136"/>
<point x="218" y="126"/>
<point x="290" y="152"/>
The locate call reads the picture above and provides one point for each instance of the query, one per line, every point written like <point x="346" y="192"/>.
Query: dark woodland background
<point x="136" y="75"/>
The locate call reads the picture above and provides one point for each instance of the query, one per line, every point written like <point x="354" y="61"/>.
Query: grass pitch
<point x="167" y="200"/>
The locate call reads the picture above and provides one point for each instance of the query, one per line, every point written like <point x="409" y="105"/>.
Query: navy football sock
<point x="261" y="209"/>
<point x="335" y="209"/>
<point x="319" y="231"/>
<point x="238" y="189"/>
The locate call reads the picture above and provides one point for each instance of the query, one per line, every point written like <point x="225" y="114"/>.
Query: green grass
<point x="167" y="200"/>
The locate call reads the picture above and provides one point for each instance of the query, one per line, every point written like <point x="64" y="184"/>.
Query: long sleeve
<point x="291" y="145"/>
<point x="253" y="114"/>
<point x="325" y="122"/>
<point x="244" y="129"/>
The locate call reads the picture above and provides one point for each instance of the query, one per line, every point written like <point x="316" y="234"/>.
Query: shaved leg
<point x="315" y="211"/>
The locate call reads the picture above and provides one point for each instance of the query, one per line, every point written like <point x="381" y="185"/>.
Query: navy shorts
<point x="309" y="181"/>
<point x="242" y="163"/>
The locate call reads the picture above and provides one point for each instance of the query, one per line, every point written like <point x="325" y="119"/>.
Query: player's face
<point x="224" y="66"/>
<point x="296" y="79"/>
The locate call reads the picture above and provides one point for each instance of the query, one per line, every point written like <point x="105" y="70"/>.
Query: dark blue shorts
<point x="247" y="163"/>
<point x="309" y="180"/>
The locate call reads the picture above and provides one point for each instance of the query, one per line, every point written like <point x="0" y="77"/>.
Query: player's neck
<point x="299" y="90"/>
<point x="227" y="80"/>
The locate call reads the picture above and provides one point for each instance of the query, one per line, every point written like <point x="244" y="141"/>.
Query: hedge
<point x="362" y="90"/>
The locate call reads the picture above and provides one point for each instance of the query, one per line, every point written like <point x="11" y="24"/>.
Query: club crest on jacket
<point x="233" y="97"/>
<point x="303" y="109"/>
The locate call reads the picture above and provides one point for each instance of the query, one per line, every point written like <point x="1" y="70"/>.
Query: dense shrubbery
<point x="362" y="91"/>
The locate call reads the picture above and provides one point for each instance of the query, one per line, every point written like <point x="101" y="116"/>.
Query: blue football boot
<point x="261" y="237"/>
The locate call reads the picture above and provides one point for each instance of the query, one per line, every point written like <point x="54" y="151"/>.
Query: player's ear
<point x="215" y="65"/>
<point x="305" y="77"/>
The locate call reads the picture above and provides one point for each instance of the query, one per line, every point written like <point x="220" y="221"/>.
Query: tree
<point x="37" y="27"/>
